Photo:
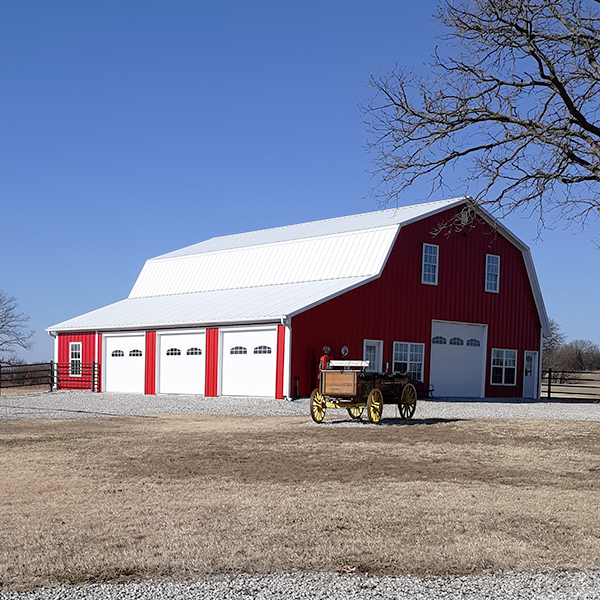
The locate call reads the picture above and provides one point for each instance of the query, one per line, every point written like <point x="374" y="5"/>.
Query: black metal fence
<point x="571" y="385"/>
<point x="84" y="376"/>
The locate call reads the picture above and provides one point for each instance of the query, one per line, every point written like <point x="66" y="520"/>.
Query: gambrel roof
<point x="265" y="276"/>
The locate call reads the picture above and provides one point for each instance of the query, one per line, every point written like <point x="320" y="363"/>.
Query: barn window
<point x="438" y="339"/>
<point x="504" y="367"/>
<point x="135" y="353"/>
<point x="238" y="350"/>
<point x="75" y="359"/>
<point x="456" y="341"/>
<point x="117" y="353"/>
<point x="429" y="274"/>
<point x="193" y="351"/>
<point x="262" y="350"/>
<point x="473" y="342"/>
<point x="492" y="273"/>
<point x="408" y="358"/>
<point x="173" y="352"/>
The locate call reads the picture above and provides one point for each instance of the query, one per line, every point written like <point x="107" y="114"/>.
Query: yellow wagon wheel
<point x="375" y="406"/>
<point x="317" y="406"/>
<point x="356" y="411"/>
<point x="408" y="401"/>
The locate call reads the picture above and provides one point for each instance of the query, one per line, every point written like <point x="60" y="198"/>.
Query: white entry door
<point x="124" y="363"/>
<point x="457" y="367"/>
<point x="181" y="363"/>
<point x="249" y="362"/>
<point x="530" y="374"/>
<point x="373" y="354"/>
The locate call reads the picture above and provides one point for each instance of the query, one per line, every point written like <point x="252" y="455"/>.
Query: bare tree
<point x="514" y="96"/>
<point x="13" y="328"/>
<point x="552" y="345"/>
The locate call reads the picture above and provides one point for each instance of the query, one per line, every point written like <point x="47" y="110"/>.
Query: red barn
<point x="249" y="314"/>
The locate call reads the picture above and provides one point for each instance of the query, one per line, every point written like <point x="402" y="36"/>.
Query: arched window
<point x="473" y="342"/>
<point x="238" y="350"/>
<point x="193" y="351"/>
<point x="173" y="352"/>
<point x="438" y="339"/>
<point x="456" y="341"/>
<point x="262" y="350"/>
<point x="135" y="353"/>
<point x="118" y="353"/>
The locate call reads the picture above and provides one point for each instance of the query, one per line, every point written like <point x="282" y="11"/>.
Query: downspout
<point x="55" y="373"/>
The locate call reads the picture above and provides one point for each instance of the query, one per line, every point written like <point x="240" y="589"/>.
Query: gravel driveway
<point x="87" y="404"/>
<point x="517" y="586"/>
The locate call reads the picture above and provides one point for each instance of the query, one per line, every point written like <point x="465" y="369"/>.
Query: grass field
<point x="111" y="499"/>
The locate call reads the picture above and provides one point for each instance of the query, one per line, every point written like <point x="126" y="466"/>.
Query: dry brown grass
<point x="107" y="499"/>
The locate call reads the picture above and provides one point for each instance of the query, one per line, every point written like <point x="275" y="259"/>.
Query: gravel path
<point x="322" y="586"/>
<point x="317" y="586"/>
<point x="86" y="404"/>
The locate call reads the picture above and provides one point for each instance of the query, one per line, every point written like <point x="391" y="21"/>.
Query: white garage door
<point x="181" y="366"/>
<point x="457" y="360"/>
<point x="249" y="363"/>
<point x="124" y="364"/>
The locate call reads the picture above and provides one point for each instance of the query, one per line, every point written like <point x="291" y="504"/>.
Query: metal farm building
<point x="249" y="314"/>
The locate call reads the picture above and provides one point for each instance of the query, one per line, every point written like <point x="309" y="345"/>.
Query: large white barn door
<point x="249" y="361"/>
<point x="181" y="363"/>
<point x="124" y="363"/>
<point x="457" y="367"/>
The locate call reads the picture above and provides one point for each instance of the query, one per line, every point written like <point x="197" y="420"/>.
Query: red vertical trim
<point x="280" y="361"/>
<point x="150" y="385"/>
<point x="99" y="362"/>
<point x="212" y="362"/>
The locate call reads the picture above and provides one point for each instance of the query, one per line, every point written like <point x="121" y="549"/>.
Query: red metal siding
<point x="398" y="307"/>
<point x="150" y="377"/>
<point x="88" y="355"/>
<point x="99" y="356"/>
<point x="212" y="362"/>
<point x="280" y="362"/>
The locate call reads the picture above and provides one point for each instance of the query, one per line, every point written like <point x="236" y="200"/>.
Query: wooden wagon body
<point x="352" y="389"/>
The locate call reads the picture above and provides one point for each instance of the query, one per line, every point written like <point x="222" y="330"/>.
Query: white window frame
<point x="410" y="354"/>
<point x="501" y="360"/>
<point x="75" y="359"/>
<point x="379" y="367"/>
<point x="492" y="285"/>
<point x="426" y="277"/>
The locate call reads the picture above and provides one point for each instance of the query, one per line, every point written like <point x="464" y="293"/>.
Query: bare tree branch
<point x="13" y="328"/>
<point x="514" y="97"/>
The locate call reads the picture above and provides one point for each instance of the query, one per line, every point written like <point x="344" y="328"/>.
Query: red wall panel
<point x="212" y="362"/>
<point x="150" y="377"/>
<point x="398" y="307"/>
<point x="88" y="356"/>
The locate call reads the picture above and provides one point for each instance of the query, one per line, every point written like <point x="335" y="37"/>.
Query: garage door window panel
<point x="173" y="352"/>
<point x="504" y="367"/>
<point x="456" y="341"/>
<point x="262" y="350"/>
<point x="135" y="353"/>
<point x="193" y="352"/>
<point x="238" y="350"/>
<point x="408" y="358"/>
<point x="438" y="339"/>
<point x="117" y="353"/>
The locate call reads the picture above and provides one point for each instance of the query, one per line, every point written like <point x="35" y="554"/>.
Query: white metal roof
<point x="269" y="275"/>
<point x="258" y="304"/>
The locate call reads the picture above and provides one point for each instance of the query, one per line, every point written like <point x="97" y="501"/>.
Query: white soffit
<point x="355" y="254"/>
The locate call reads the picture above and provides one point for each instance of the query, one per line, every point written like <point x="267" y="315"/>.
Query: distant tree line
<point x="578" y="355"/>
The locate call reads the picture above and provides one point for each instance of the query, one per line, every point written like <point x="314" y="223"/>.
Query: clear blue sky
<point x="130" y="129"/>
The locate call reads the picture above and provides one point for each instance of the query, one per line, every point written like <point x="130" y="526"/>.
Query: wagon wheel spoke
<point x="375" y="406"/>
<point x="317" y="406"/>
<point x="356" y="411"/>
<point x="408" y="401"/>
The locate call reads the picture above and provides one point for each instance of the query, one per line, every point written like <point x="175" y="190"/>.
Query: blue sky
<point x="130" y="129"/>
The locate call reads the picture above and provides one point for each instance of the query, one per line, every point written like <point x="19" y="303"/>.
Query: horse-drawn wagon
<point x="346" y="384"/>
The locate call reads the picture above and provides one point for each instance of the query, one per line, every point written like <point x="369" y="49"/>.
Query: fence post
<point x="549" y="384"/>
<point x="93" y="376"/>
